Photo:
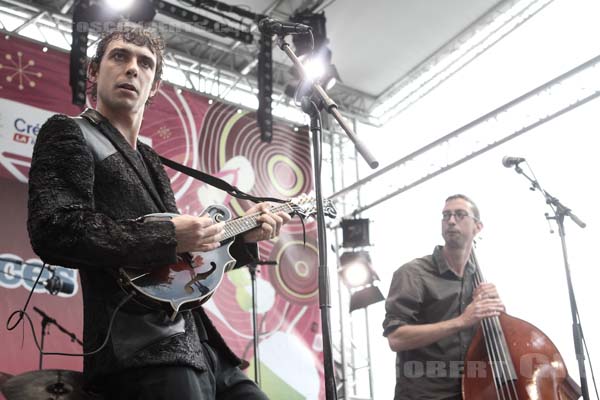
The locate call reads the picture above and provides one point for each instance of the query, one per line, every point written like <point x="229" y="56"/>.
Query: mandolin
<point x="194" y="278"/>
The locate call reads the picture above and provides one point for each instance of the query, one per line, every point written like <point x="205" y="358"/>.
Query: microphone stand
<point x="328" y="104"/>
<point x="255" y="331"/>
<point x="46" y="321"/>
<point x="311" y="108"/>
<point x="560" y="211"/>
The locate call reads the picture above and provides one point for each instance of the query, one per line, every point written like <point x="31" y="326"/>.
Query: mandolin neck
<point x="249" y="222"/>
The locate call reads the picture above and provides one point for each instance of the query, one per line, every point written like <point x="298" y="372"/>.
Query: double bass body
<point x="532" y="369"/>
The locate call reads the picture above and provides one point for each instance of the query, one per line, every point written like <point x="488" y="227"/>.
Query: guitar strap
<point x="216" y="182"/>
<point x="221" y="184"/>
<point x="102" y="147"/>
<point x="131" y="331"/>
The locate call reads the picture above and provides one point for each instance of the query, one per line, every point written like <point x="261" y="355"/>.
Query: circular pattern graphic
<point x="282" y="167"/>
<point x="296" y="275"/>
<point x="285" y="175"/>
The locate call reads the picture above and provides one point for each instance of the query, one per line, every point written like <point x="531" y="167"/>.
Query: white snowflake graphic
<point x="20" y="70"/>
<point x="164" y="132"/>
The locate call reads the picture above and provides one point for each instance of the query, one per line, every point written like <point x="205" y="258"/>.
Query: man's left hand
<point x="270" y="223"/>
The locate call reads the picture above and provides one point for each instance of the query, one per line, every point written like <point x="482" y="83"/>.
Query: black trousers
<point x="222" y="381"/>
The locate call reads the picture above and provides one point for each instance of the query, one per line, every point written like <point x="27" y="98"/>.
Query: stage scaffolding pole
<point x="351" y="385"/>
<point x="344" y="379"/>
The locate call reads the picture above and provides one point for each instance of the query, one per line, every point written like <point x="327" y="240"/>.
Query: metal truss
<point x="231" y="61"/>
<point x="453" y="56"/>
<point x="214" y="66"/>
<point x="544" y="103"/>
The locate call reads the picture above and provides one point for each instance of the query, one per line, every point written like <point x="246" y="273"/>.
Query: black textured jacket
<point x="82" y="214"/>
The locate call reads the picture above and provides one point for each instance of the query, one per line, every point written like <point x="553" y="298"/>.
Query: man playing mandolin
<point x="432" y="309"/>
<point x="90" y="182"/>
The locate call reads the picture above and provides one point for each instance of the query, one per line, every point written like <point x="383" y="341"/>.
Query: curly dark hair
<point x="130" y="32"/>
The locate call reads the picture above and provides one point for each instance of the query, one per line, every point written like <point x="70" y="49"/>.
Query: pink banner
<point x="214" y="138"/>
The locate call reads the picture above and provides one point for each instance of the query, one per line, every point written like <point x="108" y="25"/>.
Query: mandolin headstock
<point x="305" y="206"/>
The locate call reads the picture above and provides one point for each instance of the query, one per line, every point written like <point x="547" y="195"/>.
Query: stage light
<point x="119" y="5"/>
<point x="303" y="44"/>
<point x="101" y="11"/>
<point x="314" y="68"/>
<point x="331" y="77"/>
<point x="248" y="67"/>
<point x="355" y="232"/>
<point x="356" y="275"/>
<point x="365" y="297"/>
<point x="356" y="270"/>
<point x="360" y="278"/>
<point x="317" y="61"/>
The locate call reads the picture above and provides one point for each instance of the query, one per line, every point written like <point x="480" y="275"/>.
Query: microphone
<point x="56" y="285"/>
<point x="271" y="26"/>
<point x="511" y="161"/>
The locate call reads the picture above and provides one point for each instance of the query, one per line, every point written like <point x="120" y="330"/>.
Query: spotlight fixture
<point x="359" y="277"/>
<point x="119" y="5"/>
<point x="315" y="56"/>
<point x="356" y="270"/>
<point x="98" y="11"/>
<point x="365" y="297"/>
<point x="303" y="44"/>
<point x="331" y="77"/>
<point x="355" y="232"/>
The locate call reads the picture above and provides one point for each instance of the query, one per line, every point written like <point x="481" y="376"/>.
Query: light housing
<point x="358" y="275"/>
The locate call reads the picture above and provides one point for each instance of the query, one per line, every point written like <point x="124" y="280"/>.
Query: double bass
<point x="510" y="359"/>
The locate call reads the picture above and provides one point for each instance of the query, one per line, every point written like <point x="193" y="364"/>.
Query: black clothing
<point x="221" y="381"/>
<point x="83" y="211"/>
<point x="426" y="291"/>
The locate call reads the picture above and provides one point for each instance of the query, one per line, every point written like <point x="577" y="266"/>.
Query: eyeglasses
<point x="459" y="215"/>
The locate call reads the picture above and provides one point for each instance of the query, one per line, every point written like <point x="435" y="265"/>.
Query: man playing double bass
<point x="432" y="309"/>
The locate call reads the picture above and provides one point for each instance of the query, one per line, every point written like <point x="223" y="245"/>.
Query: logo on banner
<point x="20" y="125"/>
<point x="25" y="132"/>
<point x="16" y="272"/>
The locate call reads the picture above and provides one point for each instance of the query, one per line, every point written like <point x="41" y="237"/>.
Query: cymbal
<point x="55" y="384"/>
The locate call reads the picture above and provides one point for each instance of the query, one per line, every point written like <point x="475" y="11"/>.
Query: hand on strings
<point x="270" y="223"/>
<point x="197" y="233"/>
<point x="486" y="303"/>
<point x="486" y="291"/>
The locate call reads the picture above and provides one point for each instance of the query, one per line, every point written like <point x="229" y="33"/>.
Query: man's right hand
<point x="486" y="303"/>
<point x="197" y="233"/>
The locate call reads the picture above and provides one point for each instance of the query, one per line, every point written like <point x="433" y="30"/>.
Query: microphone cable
<point x="22" y="313"/>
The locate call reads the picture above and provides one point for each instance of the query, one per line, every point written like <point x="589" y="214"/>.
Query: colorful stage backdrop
<point x="215" y="138"/>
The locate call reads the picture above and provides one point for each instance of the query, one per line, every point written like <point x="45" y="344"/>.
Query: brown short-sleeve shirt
<point x="426" y="291"/>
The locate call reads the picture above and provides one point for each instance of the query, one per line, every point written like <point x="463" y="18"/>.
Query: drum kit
<point x="56" y="384"/>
